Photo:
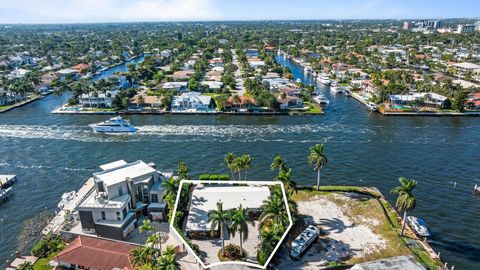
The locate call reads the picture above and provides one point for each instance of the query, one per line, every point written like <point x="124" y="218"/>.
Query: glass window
<point x="118" y="216"/>
<point x="154" y="198"/>
<point x="100" y="187"/>
<point x="103" y="215"/>
<point x="120" y="191"/>
<point x="124" y="212"/>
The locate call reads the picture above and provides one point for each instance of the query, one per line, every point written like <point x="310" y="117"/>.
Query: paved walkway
<point x="240" y="89"/>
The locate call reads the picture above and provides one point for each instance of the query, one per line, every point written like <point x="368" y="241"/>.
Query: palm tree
<point x="245" y="162"/>
<point x="318" y="159"/>
<point x="274" y="209"/>
<point x="183" y="170"/>
<point x="284" y="177"/>
<point x="168" y="262"/>
<point x="292" y="204"/>
<point x="25" y="266"/>
<point x="219" y="220"/>
<point x="278" y="163"/>
<point x="405" y="201"/>
<point x="140" y="255"/>
<point x="229" y="160"/>
<point x="269" y="238"/>
<point x="240" y="220"/>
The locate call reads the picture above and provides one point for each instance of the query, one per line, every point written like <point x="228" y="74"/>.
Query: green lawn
<point x="42" y="264"/>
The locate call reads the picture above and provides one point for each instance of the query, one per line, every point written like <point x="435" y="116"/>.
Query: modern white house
<point x="191" y="102"/>
<point x="97" y="100"/>
<point x="122" y="192"/>
<point x="213" y="84"/>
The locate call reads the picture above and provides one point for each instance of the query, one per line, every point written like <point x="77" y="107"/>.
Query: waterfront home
<point x="152" y="102"/>
<point x="122" y="192"/>
<point x="466" y="67"/>
<point x="176" y="86"/>
<point x="426" y="99"/>
<point x="256" y="62"/>
<point x="63" y="73"/>
<point x="93" y="253"/>
<point x="191" y="101"/>
<point x="81" y="68"/>
<point x="242" y="103"/>
<point x="97" y="100"/>
<point x="45" y="82"/>
<point x="473" y="101"/>
<point x="400" y="262"/>
<point x="287" y="102"/>
<point x="182" y="75"/>
<point x="205" y="198"/>
<point x="214" y="85"/>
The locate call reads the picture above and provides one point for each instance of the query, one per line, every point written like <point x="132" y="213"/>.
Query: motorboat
<point x="66" y="197"/>
<point x="303" y="241"/>
<point x="321" y="99"/>
<point x="323" y="79"/>
<point x="308" y="69"/>
<point x="335" y="88"/>
<point x="418" y="225"/>
<point x="372" y="106"/>
<point x="114" y="125"/>
<point x="347" y="92"/>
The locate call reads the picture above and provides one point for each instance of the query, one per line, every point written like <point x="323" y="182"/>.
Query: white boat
<point x="335" y="88"/>
<point x="323" y="79"/>
<point x="298" y="81"/>
<point x="322" y="100"/>
<point x="303" y="241"/>
<point x="418" y="225"/>
<point x="66" y="197"/>
<point x="372" y="106"/>
<point x="114" y="125"/>
<point x="347" y="92"/>
<point x="308" y="69"/>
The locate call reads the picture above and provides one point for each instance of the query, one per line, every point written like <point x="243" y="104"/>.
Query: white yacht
<point x="308" y="69"/>
<point x="418" y="225"/>
<point x="321" y="99"/>
<point x="114" y="125"/>
<point x="335" y="88"/>
<point x="66" y="197"/>
<point x="303" y="241"/>
<point x="323" y="79"/>
<point x="372" y="106"/>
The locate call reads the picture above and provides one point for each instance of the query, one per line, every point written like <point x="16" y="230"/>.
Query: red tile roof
<point x="97" y="253"/>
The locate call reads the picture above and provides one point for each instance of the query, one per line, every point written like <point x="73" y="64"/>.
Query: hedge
<point x="214" y="177"/>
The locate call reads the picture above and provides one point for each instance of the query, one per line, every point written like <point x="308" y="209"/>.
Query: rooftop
<point x="395" y="263"/>
<point x="205" y="198"/>
<point x="114" y="175"/>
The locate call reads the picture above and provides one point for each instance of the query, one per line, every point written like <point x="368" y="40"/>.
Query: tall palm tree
<point x="292" y="204"/>
<point x="229" y="160"/>
<point x="240" y="220"/>
<point x="278" y="163"/>
<point x="168" y="262"/>
<point x="269" y="239"/>
<point x="183" y="170"/>
<point x="140" y="255"/>
<point x="406" y="202"/>
<point x="245" y="163"/>
<point x="318" y="159"/>
<point x="219" y="220"/>
<point x="274" y="209"/>
<point x="284" y="177"/>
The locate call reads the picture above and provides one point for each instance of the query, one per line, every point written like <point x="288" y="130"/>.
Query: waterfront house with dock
<point x="122" y="192"/>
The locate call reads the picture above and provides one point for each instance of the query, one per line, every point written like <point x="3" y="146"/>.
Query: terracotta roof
<point x="243" y="100"/>
<point x="81" y="67"/>
<point x="97" y="253"/>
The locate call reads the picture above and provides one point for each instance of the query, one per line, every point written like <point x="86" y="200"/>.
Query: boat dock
<point x="57" y="222"/>
<point x="5" y="186"/>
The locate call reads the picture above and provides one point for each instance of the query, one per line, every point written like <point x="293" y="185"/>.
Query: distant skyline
<point x="94" y="11"/>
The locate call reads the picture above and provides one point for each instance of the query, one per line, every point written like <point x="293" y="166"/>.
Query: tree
<point x="405" y="201"/>
<point x="459" y="101"/>
<point x="168" y="262"/>
<point x="284" y="177"/>
<point x="25" y="266"/>
<point x="278" y="163"/>
<point x="182" y="170"/>
<point x="140" y="255"/>
<point x="318" y="159"/>
<point x="274" y="209"/>
<point x="219" y="220"/>
<point x="240" y="220"/>
<point x="229" y="161"/>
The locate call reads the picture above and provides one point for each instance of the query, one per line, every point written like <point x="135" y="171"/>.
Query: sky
<point x="93" y="11"/>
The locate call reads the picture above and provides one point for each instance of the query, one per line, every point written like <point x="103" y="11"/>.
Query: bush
<point x="262" y="257"/>
<point x="223" y="177"/>
<point x="47" y="245"/>
<point x="213" y="177"/>
<point x="72" y="101"/>
<point x="233" y="253"/>
<point x="204" y="177"/>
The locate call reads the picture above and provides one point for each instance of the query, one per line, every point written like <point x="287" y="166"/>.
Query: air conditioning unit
<point x="103" y="195"/>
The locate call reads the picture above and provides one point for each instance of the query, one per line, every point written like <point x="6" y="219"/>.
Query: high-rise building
<point x="465" y="28"/>
<point x="406" y="25"/>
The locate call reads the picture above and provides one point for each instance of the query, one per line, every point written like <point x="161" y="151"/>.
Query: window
<point x="103" y="215"/>
<point x="154" y="198"/>
<point x="100" y="187"/>
<point x="124" y="212"/>
<point x="120" y="191"/>
<point x="118" y="216"/>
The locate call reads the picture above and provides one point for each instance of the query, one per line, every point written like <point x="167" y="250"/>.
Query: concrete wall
<point x="86" y="219"/>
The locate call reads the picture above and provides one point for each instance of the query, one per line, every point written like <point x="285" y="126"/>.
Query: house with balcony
<point x="122" y="193"/>
<point x="97" y="99"/>
<point x="191" y="102"/>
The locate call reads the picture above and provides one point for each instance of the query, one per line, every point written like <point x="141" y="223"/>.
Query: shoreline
<point x="24" y="102"/>
<point x="186" y="113"/>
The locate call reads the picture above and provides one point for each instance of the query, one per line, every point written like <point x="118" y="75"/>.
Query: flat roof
<point x="118" y="174"/>
<point x="112" y="165"/>
<point x="205" y="198"/>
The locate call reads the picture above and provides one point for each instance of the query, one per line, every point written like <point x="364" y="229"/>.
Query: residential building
<point x="122" y="192"/>
<point x="465" y="28"/>
<point x="182" y="75"/>
<point x="287" y="101"/>
<point x="97" y="100"/>
<point x="428" y="99"/>
<point x="152" y="102"/>
<point x="176" y="86"/>
<point x="213" y="84"/>
<point x="191" y="101"/>
<point x="394" y="263"/>
<point x="465" y="67"/>
<point x="93" y="253"/>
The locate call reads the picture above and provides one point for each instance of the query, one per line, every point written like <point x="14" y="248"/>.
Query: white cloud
<point x="70" y="11"/>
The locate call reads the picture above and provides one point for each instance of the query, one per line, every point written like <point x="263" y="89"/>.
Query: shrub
<point x="233" y="253"/>
<point x="262" y="257"/>
<point x="204" y="177"/>
<point x="214" y="177"/>
<point x="223" y="177"/>
<point x="47" y="245"/>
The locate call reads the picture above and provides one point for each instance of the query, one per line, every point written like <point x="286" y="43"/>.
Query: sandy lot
<point x="346" y="238"/>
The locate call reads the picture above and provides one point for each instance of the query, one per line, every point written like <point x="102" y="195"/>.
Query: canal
<point x="53" y="154"/>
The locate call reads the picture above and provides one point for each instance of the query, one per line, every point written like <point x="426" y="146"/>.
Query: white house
<point x="213" y="84"/>
<point x="122" y="191"/>
<point x="191" y="102"/>
<point x="97" y="100"/>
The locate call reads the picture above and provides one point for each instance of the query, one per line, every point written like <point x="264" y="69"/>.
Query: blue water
<point x="119" y="68"/>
